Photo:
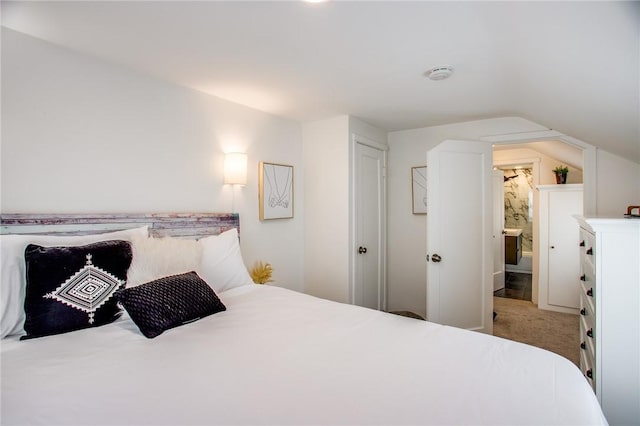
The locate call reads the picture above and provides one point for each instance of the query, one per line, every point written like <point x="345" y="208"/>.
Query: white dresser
<point x="610" y="314"/>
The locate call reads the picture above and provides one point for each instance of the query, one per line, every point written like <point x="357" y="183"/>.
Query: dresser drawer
<point x="588" y="291"/>
<point x="586" y="265"/>
<point x="587" y="366"/>
<point x="588" y="333"/>
<point x="587" y="251"/>
<point x="587" y="313"/>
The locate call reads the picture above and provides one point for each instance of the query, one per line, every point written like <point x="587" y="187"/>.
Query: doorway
<point x="517" y="198"/>
<point x="542" y="156"/>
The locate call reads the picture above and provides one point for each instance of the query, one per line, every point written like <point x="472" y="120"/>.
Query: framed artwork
<point x="276" y="191"/>
<point x="419" y="189"/>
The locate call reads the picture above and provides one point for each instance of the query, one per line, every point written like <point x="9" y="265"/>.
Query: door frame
<point x="589" y="177"/>
<point x="353" y="252"/>
<point x="498" y="232"/>
<point x="535" y="162"/>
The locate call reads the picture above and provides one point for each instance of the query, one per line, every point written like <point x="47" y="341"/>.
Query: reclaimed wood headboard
<point x="184" y="225"/>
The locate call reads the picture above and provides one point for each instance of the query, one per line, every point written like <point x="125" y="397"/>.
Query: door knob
<point x="436" y="258"/>
<point x="362" y="250"/>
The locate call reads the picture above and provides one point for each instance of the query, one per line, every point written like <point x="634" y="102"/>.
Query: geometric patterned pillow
<point x="169" y="302"/>
<point x="70" y="288"/>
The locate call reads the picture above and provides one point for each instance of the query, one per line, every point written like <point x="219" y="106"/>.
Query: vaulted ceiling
<point x="570" y="66"/>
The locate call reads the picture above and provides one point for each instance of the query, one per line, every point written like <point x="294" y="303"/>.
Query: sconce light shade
<point x="235" y="168"/>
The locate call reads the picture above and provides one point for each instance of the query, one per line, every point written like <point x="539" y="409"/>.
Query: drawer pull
<point x="590" y="251"/>
<point x="582" y="243"/>
<point x="583" y="345"/>
<point x="590" y="292"/>
<point x="583" y="312"/>
<point x="583" y="277"/>
<point x="589" y="374"/>
<point x="590" y="332"/>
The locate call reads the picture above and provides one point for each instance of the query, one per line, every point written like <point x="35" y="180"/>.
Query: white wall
<point x="618" y="184"/>
<point x="326" y="176"/>
<point x="362" y="128"/>
<point x="80" y="136"/>
<point x="328" y="207"/>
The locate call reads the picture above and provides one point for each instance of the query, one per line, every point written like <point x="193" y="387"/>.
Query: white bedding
<point x="279" y="357"/>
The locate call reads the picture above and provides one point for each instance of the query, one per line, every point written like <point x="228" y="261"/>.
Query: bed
<point x="272" y="356"/>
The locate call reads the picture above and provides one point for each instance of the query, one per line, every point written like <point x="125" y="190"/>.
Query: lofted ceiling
<point x="557" y="150"/>
<point x="570" y="66"/>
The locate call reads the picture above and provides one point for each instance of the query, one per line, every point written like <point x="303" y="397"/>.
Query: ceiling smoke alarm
<point x="440" y="72"/>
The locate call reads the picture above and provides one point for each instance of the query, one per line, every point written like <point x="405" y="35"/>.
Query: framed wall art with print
<point x="419" y="189"/>
<point x="275" y="191"/>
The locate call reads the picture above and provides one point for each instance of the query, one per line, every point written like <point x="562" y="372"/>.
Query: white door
<point x="369" y="192"/>
<point x="498" y="229"/>
<point x="564" y="253"/>
<point x="459" y="235"/>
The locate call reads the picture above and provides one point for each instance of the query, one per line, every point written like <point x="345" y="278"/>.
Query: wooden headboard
<point x="186" y="225"/>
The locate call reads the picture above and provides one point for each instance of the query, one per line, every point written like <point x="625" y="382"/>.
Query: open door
<point x="498" y="229"/>
<point x="459" y="235"/>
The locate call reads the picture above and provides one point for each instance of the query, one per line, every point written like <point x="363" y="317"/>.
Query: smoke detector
<point x="440" y="72"/>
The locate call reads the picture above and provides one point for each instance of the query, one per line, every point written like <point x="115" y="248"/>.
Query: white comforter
<point x="279" y="357"/>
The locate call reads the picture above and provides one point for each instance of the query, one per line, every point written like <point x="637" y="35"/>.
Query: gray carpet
<point x="522" y="321"/>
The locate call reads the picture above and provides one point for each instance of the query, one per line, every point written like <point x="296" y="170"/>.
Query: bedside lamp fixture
<point x="235" y="168"/>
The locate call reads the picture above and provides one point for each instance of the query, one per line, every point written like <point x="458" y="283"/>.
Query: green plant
<point x="561" y="170"/>
<point x="261" y="273"/>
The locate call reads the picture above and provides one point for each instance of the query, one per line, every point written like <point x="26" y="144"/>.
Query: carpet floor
<point x="523" y="322"/>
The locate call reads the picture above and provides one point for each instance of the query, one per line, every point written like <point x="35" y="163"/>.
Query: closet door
<point x="559" y="250"/>
<point x="369" y="286"/>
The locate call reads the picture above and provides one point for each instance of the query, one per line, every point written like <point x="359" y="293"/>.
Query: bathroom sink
<point x="512" y="232"/>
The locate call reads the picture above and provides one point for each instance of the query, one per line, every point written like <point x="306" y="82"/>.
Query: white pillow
<point x="12" y="269"/>
<point x="155" y="258"/>
<point x="222" y="265"/>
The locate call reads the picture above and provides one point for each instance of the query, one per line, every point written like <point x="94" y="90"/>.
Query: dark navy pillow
<point x="70" y="288"/>
<point x="169" y="302"/>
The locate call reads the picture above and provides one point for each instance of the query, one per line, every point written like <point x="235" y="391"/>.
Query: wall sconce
<point x="235" y="168"/>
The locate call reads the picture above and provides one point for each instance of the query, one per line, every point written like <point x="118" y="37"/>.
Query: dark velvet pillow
<point x="169" y="302"/>
<point x="70" y="288"/>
